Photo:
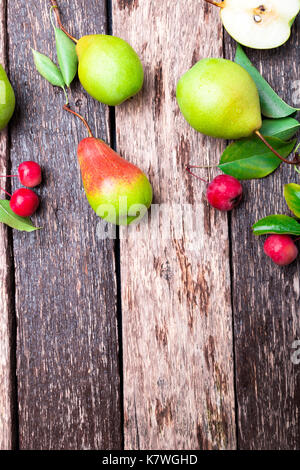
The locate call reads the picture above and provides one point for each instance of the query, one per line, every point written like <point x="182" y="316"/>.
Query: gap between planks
<point x="8" y="399"/>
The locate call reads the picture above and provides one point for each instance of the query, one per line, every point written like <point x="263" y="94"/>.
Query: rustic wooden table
<point x="141" y="342"/>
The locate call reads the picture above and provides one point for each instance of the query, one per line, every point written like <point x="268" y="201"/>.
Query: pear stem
<point x="217" y="4"/>
<point x="56" y="9"/>
<point x="293" y="162"/>
<point x="5" y="192"/>
<point x="188" y="169"/>
<point x="66" y="108"/>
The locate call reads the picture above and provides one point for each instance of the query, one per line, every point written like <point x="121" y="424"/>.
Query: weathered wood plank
<point x="177" y="324"/>
<point x="266" y="297"/>
<point x="67" y="345"/>
<point x="6" y="333"/>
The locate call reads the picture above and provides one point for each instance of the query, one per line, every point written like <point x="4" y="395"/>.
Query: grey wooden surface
<point x="183" y="343"/>
<point x="65" y="281"/>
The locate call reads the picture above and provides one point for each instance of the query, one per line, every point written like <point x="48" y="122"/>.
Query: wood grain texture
<point x="266" y="297"/>
<point x="6" y="313"/>
<point x="67" y="345"/>
<point x="177" y="323"/>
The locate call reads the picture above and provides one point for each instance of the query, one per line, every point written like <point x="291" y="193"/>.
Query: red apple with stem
<point x="223" y="193"/>
<point x="24" y="202"/>
<point x="29" y="174"/>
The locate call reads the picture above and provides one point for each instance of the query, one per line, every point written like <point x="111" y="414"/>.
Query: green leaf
<point x="8" y="217"/>
<point x="280" y="224"/>
<point x="283" y="128"/>
<point x="251" y="158"/>
<point x="271" y="104"/>
<point x="48" y="69"/>
<point x="292" y="197"/>
<point x="66" y="55"/>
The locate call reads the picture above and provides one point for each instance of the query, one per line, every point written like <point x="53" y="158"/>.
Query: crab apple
<point x="224" y="192"/>
<point x="30" y="174"/>
<point x="24" y="202"/>
<point x="281" y="249"/>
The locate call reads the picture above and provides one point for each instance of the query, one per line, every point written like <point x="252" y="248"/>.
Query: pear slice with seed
<point x="259" y="24"/>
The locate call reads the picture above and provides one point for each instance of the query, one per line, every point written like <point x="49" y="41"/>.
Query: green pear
<point x="261" y="24"/>
<point x="219" y="98"/>
<point x="7" y="99"/>
<point x="109" y="69"/>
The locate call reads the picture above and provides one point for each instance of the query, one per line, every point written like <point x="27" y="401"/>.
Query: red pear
<point x="117" y="190"/>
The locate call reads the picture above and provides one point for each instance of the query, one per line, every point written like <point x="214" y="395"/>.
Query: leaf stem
<point x="66" y="108"/>
<point x="55" y="7"/>
<point x="51" y="18"/>
<point x="296" y="160"/>
<point x="297" y="169"/>
<point x="66" y="95"/>
<point x="8" y="194"/>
